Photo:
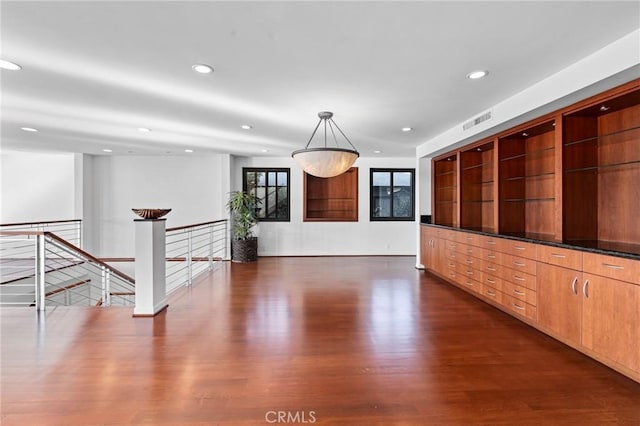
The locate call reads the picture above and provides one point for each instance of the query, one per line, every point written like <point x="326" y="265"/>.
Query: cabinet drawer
<point x="451" y="245"/>
<point x="492" y="294"/>
<point x="492" y="256"/>
<point x="520" y="293"/>
<point x="447" y="234"/>
<point x="566" y="258"/>
<point x="519" y="248"/>
<point x="469" y="272"/>
<point x="469" y="250"/>
<point x="519" y="263"/>
<point x="489" y="280"/>
<point x="472" y="285"/>
<point x="491" y="268"/>
<point x="451" y="254"/>
<point x="470" y="261"/>
<point x="491" y="243"/>
<point x="518" y="278"/>
<point x="519" y="307"/>
<point x="467" y="238"/>
<point x="611" y="266"/>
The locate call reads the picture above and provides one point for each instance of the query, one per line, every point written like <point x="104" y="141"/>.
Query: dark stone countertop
<point x="628" y="251"/>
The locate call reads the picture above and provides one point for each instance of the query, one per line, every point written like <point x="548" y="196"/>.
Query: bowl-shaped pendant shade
<point x="325" y="162"/>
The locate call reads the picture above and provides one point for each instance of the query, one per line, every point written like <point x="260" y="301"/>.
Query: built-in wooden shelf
<point x="332" y="199"/>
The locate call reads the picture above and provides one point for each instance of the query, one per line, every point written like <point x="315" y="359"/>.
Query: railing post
<point x="108" y="286"/>
<point x="40" y="273"/>
<point x="211" y="246"/>
<point x="103" y="284"/>
<point x="226" y="240"/>
<point x="189" y="257"/>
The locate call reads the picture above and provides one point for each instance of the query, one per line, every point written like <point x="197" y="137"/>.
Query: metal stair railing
<point x="69" y="230"/>
<point x="194" y="249"/>
<point x="41" y="268"/>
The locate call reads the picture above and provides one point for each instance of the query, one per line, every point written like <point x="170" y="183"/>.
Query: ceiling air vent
<point x="479" y="119"/>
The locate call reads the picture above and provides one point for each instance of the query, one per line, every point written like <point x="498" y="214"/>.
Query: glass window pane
<point x="283" y="207"/>
<point x="381" y="179"/>
<point x="282" y="179"/>
<point x="260" y="193"/>
<point x="402" y="179"/>
<point x="260" y="179"/>
<point x="402" y="203"/>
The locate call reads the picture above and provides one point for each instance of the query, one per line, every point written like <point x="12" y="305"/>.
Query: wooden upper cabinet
<point x="570" y="176"/>
<point x="333" y="199"/>
<point x="477" y="189"/>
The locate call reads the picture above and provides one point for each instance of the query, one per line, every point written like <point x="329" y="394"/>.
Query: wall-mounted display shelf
<point x="445" y="191"/>
<point x="570" y="176"/>
<point x="477" y="188"/>
<point x="527" y="182"/>
<point x="333" y="199"/>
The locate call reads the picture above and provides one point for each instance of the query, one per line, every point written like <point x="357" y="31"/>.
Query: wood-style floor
<point x="351" y="340"/>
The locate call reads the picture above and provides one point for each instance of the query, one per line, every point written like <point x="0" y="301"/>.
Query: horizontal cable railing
<point x="40" y="268"/>
<point x="192" y="250"/>
<point x="69" y="230"/>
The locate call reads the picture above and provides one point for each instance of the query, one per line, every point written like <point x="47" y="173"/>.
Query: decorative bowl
<point x="151" y="213"/>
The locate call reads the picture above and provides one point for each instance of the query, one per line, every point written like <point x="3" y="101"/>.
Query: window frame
<point x="266" y="171"/>
<point x="372" y="206"/>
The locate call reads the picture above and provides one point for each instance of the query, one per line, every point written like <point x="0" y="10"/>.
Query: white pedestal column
<point x="151" y="290"/>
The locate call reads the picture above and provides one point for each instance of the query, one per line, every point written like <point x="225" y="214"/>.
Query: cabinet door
<point x="611" y="319"/>
<point x="424" y="247"/>
<point x="559" y="301"/>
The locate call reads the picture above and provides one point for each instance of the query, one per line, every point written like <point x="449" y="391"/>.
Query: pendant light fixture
<point x="326" y="161"/>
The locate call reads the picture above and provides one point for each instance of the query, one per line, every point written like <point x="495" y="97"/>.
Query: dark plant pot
<point x="244" y="250"/>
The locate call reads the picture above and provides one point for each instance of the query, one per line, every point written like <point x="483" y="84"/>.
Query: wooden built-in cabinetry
<point x="543" y="221"/>
<point x="587" y="300"/>
<point x="333" y="199"/>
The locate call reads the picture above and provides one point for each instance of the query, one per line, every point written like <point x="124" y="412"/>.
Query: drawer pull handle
<point x="573" y="285"/>
<point x="491" y="281"/>
<point x="452" y="274"/>
<point x="469" y="251"/>
<point x="515" y="305"/>
<point x="491" y="256"/>
<point x="469" y="283"/>
<point x="519" y="293"/>
<point x="609" y="265"/>
<point x="585" y="289"/>
<point x="491" y="268"/>
<point x="561" y="256"/>
<point x="490" y="293"/>
<point x="452" y="264"/>
<point x="469" y="261"/>
<point x="518" y="248"/>
<point x="493" y="243"/>
<point x="518" y="263"/>
<point x="469" y="238"/>
<point x="515" y="277"/>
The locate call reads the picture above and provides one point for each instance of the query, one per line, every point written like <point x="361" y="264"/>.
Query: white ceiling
<point x="93" y="72"/>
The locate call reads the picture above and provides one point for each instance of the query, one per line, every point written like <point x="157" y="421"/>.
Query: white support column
<point x="151" y="289"/>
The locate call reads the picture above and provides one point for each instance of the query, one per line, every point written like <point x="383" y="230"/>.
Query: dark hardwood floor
<point x="351" y="340"/>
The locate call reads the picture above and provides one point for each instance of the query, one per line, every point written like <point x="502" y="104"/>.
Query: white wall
<point x="613" y="65"/>
<point x="191" y="186"/>
<point x="36" y="187"/>
<point x="298" y="238"/>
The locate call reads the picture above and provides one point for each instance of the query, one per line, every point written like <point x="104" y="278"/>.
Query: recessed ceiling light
<point x="246" y="126"/>
<point x="265" y="150"/>
<point x="188" y="150"/>
<point x="474" y="75"/>
<point x="202" y="68"/>
<point x="407" y="129"/>
<point x="6" y="65"/>
<point x="29" y="129"/>
<point x="107" y="150"/>
<point x="144" y="129"/>
<point x="377" y="151"/>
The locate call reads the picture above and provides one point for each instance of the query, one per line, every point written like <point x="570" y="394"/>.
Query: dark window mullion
<point x="391" y="200"/>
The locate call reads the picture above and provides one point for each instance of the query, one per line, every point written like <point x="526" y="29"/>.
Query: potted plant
<point x="243" y="208"/>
